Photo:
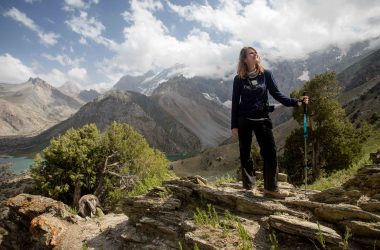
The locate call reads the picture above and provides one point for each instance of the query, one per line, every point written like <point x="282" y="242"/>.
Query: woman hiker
<point x="250" y="112"/>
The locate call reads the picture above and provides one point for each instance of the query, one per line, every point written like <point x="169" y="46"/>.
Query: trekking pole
<point x="305" y="138"/>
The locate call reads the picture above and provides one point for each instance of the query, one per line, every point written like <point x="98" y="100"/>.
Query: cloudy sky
<point x="95" y="42"/>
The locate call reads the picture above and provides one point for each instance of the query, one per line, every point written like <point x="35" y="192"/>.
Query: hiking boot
<point x="277" y="193"/>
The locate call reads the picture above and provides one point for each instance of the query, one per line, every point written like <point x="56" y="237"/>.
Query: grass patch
<point x="224" y="179"/>
<point x="245" y="241"/>
<point x="228" y="224"/>
<point x="72" y="210"/>
<point x="346" y="238"/>
<point x="320" y="237"/>
<point x="85" y="246"/>
<point x="339" y="177"/>
<point x="273" y="241"/>
<point x="209" y="217"/>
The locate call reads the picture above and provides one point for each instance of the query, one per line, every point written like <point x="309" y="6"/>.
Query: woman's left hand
<point x="303" y="100"/>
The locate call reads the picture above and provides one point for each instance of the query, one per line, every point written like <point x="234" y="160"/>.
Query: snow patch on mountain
<point x="227" y="104"/>
<point x="212" y="97"/>
<point x="304" y="76"/>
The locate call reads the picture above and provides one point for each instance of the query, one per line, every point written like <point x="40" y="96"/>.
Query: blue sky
<point x="95" y="42"/>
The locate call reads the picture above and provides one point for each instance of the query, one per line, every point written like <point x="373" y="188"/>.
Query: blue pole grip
<point x="304" y="118"/>
<point x="304" y="126"/>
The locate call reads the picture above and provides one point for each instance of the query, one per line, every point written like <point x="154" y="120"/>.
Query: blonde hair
<point x="242" y="68"/>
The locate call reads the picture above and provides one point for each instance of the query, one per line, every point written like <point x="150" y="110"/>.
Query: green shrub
<point x="110" y="165"/>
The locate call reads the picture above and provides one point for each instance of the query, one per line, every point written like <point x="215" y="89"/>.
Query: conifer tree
<point x="111" y="165"/>
<point x="333" y="143"/>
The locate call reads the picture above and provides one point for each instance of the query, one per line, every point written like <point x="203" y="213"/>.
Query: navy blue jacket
<point x="249" y="97"/>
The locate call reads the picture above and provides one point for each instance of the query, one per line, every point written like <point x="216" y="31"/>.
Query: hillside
<point x="361" y="83"/>
<point x="31" y="107"/>
<point x="365" y="106"/>
<point x="361" y="72"/>
<point x="160" y="129"/>
<point x="185" y="100"/>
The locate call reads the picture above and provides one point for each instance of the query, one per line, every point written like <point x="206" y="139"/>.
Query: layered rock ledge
<point x="164" y="218"/>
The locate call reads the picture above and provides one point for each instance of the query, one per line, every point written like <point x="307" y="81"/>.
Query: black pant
<point x="265" y="139"/>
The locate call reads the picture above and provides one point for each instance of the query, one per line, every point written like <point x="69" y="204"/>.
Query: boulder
<point x="158" y="228"/>
<point x="367" y="229"/>
<point x="47" y="230"/>
<point x="262" y="206"/>
<point x="30" y="206"/>
<point x="366" y="180"/>
<point x="332" y="196"/>
<point x="371" y="205"/>
<point x="36" y="221"/>
<point x="297" y="226"/>
<point x="216" y="196"/>
<point x="88" y="205"/>
<point x="339" y="212"/>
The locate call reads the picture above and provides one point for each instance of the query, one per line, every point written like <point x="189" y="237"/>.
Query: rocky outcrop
<point x="89" y="205"/>
<point x="189" y="212"/>
<point x="36" y="222"/>
<point x="11" y="184"/>
<point x="38" y="216"/>
<point x="307" y="229"/>
<point x="324" y="220"/>
<point x="362" y="191"/>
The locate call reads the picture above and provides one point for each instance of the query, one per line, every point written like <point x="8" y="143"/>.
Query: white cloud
<point x="70" y="5"/>
<point x="55" y="77"/>
<point x="83" y="41"/>
<point x="78" y="74"/>
<point x="89" y="27"/>
<point x="49" y="38"/>
<point x="279" y="29"/>
<point x="288" y="29"/>
<point x="32" y="1"/>
<point x="148" y="45"/>
<point x="63" y="59"/>
<point x="101" y="87"/>
<point x="12" y="70"/>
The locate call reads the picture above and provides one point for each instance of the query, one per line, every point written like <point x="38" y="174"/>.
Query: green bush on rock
<point x="110" y="165"/>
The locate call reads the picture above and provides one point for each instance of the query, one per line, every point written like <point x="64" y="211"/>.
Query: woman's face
<point x="252" y="58"/>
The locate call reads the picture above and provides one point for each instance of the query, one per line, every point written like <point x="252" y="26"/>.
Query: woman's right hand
<point x="234" y="132"/>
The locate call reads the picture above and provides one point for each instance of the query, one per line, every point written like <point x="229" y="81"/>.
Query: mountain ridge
<point x="30" y="107"/>
<point x="160" y="129"/>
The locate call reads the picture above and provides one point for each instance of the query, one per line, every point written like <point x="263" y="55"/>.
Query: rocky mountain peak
<point x="38" y="82"/>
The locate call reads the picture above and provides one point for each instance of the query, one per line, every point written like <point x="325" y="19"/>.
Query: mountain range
<point x="31" y="107"/>
<point x="176" y="114"/>
<point x="159" y="128"/>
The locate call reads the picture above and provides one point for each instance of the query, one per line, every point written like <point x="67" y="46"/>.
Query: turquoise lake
<point x="18" y="164"/>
